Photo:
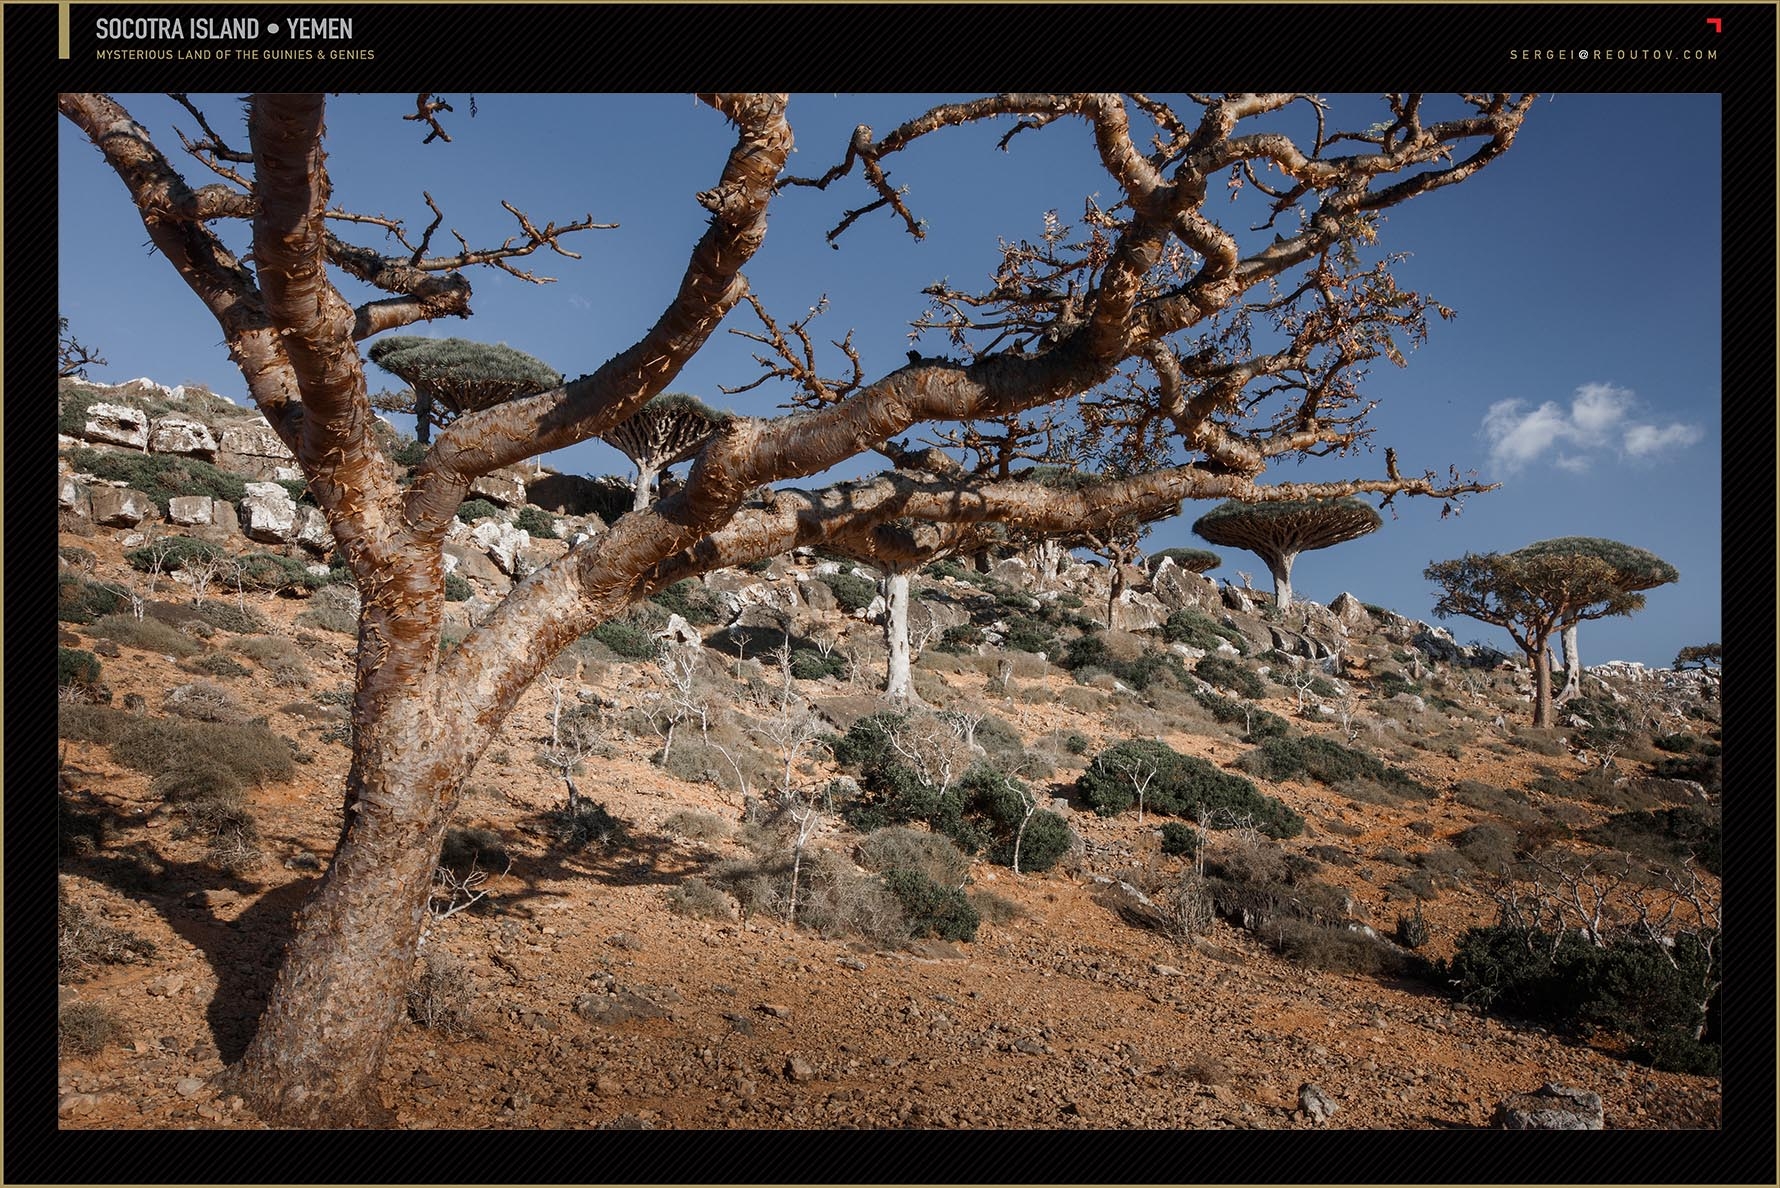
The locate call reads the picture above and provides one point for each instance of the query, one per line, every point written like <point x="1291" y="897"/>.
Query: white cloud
<point x="1599" y="417"/>
<point x="1643" y="440"/>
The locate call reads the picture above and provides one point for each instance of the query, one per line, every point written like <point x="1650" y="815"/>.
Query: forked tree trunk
<point x="316" y="1058"/>
<point x="1281" y="567"/>
<point x="898" y="683"/>
<point x="1048" y="554"/>
<point x="1572" y="667"/>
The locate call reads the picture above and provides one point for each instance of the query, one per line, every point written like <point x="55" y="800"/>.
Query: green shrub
<point x="1180" y="838"/>
<point x="1087" y="654"/>
<point x="688" y="599"/>
<point x="1667" y="835"/>
<point x="334" y="608"/>
<point x="589" y="825"/>
<point x="76" y="668"/>
<point x="270" y="573"/>
<point x="79" y="601"/>
<point x="626" y="641"/>
<point x="171" y="554"/>
<point x="852" y="592"/>
<point x="536" y="521"/>
<point x="1029" y="635"/>
<point x="1227" y="674"/>
<point x="1628" y="985"/>
<point x="472" y="510"/>
<point x="933" y="910"/>
<point x="1075" y="742"/>
<point x="408" y="452"/>
<point x="1328" y="762"/>
<point x="807" y="664"/>
<point x="960" y="640"/>
<point x="1259" y="723"/>
<point x="950" y="569"/>
<point x="457" y="589"/>
<point x="226" y="616"/>
<point x="1197" y="629"/>
<point x="1182" y="785"/>
<point x="463" y="849"/>
<point x="90" y="723"/>
<point x="218" y="664"/>
<point x="161" y="476"/>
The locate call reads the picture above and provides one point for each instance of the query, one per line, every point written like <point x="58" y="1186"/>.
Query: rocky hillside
<point x="1275" y="870"/>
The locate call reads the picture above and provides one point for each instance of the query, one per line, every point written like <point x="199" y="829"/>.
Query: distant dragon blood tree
<point x="1532" y="598"/>
<point x="1634" y="569"/>
<point x="669" y="429"/>
<point x="1191" y="560"/>
<point x="1278" y="532"/>
<point x="1139" y="323"/>
<point x="449" y="377"/>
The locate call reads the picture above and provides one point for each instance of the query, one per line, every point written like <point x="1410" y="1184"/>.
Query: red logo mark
<point x="1717" y="24"/>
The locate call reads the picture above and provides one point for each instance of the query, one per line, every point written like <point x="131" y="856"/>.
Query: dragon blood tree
<point x="1139" y="321"/>
<point x="668" y="429"/>
<point x="1635" y="569"/>
<point x="1191" y="560"/>
<point x="449" y="377"/>
<point x="1532" y="598"/>
<point x="1278" y="532"/>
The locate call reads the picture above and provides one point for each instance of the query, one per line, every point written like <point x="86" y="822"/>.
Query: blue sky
<point x="1582" y="371"/>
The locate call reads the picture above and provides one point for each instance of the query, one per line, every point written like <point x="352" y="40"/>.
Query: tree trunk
<point x="318" y="1053"/>
<point x="898" y="683"/>
<point x="1048" y="554"/>
<point x="1572" y="666"/>
<point x="645" y="487"/>
<point x="423" y="416"/>
<point x="1281" y="567"/>
<point x="1113" y="592"/>
<point x="1541" y="684"/>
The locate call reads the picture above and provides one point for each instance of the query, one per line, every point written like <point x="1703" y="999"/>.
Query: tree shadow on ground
<point x="243" y="953"/>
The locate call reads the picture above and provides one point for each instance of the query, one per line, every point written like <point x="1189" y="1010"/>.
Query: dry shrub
<point x="82" y="941"/>
<point x="1187" y="906"/>
<point x="899" y="847"/>
<point x="700" y="900"/>
<point x="333" y="608"/>
<point x="442" y="995"/>
<point x="1245" y="856"/>
<point x="696" y="825"/>
<point x="996" y="909"/>
<point x="151" y="635"/>
<point x="85" y="1028"/>
<point x="203" y="702"/>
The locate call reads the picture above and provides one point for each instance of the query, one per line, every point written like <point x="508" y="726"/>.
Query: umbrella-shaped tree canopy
<point x="1634" y="569"/>
<point x="1277" y="532"/>
<point x="668" y="429"/>
<point x="453" y="376"/>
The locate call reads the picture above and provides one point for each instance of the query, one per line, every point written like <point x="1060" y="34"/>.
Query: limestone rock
<point x="73" y="496"/>
<point x="501" y="541"/>
<point x="312" y="529"/>
<point x="117" y="424"/>
<point x="182" y="435"/>
<point x="190" y="510"/>
<point x="271" y="513"/>
<point x="505" y="487"/>
<point x="1138" y="611"/>
<point x="1317" y="1105"/>
<point x="120" y="507"/>
<point x="256" y="451"/>
<point x="1350" y="612"/>
<point x="1551" y="1107"/>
